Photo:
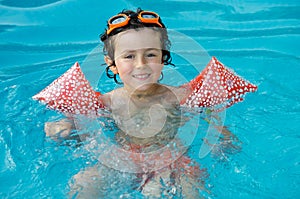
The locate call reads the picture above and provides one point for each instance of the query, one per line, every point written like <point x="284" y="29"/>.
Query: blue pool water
<point x="40" y="40"/>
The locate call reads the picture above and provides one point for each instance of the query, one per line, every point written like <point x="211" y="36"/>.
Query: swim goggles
<point x="121" y="20"/>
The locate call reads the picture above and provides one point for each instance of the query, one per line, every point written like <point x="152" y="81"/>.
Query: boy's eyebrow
<point x="147" y="49"/>
<point x="153" y="49"/>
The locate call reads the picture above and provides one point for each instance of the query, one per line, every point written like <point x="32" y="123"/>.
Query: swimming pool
<point x="258" y="39"/>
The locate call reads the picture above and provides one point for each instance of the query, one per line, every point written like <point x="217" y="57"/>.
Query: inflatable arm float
<point x="215" y="86"/>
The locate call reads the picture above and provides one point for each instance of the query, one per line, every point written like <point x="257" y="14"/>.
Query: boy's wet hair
<point x="135" y="24"/>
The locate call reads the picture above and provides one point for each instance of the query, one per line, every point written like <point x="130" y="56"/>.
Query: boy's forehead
<point x="138" y="39"/>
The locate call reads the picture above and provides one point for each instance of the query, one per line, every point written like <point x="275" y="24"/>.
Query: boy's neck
<point x="151" y="91"/>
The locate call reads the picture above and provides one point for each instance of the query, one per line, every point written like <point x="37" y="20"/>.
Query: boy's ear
<point x="109" y="62"/>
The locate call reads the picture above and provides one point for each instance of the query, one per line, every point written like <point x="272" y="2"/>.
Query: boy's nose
<point x="140" y="62"/>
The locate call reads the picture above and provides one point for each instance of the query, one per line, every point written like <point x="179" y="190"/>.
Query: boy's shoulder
<point x="180" y="92"/>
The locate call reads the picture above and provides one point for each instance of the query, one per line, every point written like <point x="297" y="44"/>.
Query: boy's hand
<point x="59" y="129"/>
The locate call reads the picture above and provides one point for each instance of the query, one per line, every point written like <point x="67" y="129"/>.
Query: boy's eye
<point x="129" y="56"/>
<point x="151" y="55"/>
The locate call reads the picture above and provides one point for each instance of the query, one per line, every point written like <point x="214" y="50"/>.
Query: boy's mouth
<point x="141" y="76"/>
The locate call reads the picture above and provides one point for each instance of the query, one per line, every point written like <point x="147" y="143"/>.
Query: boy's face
<point x="138" y="58"/>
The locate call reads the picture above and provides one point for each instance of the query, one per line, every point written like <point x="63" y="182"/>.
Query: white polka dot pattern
<point x="71" y="93"/>
<point x="216" y="87"/>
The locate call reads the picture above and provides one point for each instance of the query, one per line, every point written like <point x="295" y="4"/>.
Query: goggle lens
<point x="149" y="16"/>
<point x="117" y="20"/>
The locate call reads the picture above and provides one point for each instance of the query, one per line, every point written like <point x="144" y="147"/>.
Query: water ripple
<point x="255" y="53"/>
<point x="182" y="6"/>
<point x="5" y="28"/>
<point x="48" y="48"/>
<point x="29" y="72"/>
<point x="227" y="11"/>
<point x="223" y="33"/>
<point x="27" y="4"/>
<point x="272" y="13"/>
<point x="266" y="53"/>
